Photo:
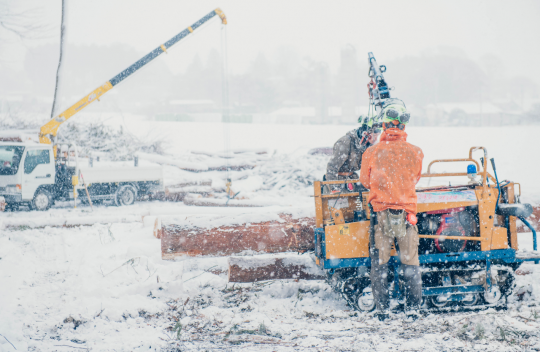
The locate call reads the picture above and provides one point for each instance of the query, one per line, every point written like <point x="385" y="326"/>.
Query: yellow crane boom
<point x="48" y="131"/>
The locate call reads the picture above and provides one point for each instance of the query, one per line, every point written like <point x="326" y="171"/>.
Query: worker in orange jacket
<point x="390" y="170"/>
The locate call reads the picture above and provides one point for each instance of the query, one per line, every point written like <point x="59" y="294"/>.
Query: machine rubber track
<point x="348" y="284"/>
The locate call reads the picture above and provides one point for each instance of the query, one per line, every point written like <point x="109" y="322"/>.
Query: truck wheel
<point x="42" y="200"/>
<point x="125" y="195"/>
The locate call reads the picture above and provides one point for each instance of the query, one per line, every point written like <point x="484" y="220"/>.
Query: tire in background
<point x="42" y="200"/>
<point x="125" y="195"/>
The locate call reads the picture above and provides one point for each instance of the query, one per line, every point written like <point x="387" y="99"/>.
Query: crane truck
<point x="38" y="174"/>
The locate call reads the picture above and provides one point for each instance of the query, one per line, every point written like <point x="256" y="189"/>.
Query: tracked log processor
<point x="468" y="241"/>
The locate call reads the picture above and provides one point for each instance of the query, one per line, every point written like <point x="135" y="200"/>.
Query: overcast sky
<point x="318" y="29"/>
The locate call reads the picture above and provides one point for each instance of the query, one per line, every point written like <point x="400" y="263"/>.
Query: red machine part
<point x="450" y="226"/>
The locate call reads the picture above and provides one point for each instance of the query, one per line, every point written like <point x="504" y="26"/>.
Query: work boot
<point x="413" y="287"/>
<point x="382" y="316"/>
<point x="379" y="286"/>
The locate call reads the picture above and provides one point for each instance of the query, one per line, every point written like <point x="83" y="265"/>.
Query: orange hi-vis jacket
<point x="391" y="169"/>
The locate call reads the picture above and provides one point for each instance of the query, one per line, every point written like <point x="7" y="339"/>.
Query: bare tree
<point x="62" y="44"/>
<point x="18" y="23"/>
<point x="26" y="24"/>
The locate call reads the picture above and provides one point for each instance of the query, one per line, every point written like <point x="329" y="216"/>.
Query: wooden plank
<point x="253" y="269"/>
<point x="157" y="228"/>
<point x="291" y="235"/>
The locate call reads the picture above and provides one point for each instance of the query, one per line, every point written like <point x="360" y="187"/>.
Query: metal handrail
<point x="484" y="172"/>
<point x="451" y="160"/>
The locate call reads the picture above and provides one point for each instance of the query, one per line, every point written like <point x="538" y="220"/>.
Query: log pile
<point x="288" y="235"/>
<point x="534" y="220"/>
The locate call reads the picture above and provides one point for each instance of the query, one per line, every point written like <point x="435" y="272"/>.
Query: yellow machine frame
<point x="351" y="240"/>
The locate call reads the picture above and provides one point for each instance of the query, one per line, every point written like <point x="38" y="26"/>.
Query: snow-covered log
<point x="177" y="194"/>
<point x="222" y="202"/>
<point x="285" y="235"/>
<point x="253" y="269"/>
<point x="205" y="182"/>
<point x="234" y="167"/>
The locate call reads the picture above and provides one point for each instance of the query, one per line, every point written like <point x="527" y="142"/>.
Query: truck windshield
<point x="10" y="158"/>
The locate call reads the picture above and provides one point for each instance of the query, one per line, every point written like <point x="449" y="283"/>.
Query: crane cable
<point x="225" y="113"/>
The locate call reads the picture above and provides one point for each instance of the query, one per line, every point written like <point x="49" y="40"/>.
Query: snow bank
<point x="24" y="223"/>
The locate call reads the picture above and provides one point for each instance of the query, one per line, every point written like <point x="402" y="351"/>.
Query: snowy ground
<point x="104" y="287"/>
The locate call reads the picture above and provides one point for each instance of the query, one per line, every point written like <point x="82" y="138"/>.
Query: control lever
<point x="498" y="185"/>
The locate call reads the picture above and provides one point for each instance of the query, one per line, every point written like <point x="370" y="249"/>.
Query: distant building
<point x="469" y="114"/>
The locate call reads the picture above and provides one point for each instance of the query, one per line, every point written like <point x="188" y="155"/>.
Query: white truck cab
<point x="27" y="173"/>
<point x="30" y="176"/>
